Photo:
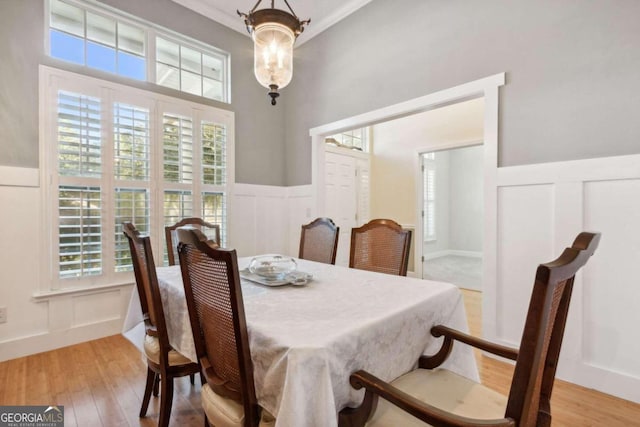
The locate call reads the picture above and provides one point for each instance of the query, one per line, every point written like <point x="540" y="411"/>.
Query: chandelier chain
<point x="273" y="7"/>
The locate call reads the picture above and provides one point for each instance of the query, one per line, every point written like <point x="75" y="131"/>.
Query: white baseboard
<point x="448" y="252"/>
<point x="470" y="254"/>
<point x="38" y="343"/>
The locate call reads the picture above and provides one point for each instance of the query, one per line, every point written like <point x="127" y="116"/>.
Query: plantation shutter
<point x="132" y="172"/>
<point x="429" y="186"/>
<point x="79" y="156"/>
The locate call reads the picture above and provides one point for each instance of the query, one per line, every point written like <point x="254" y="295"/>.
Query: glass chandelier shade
<point x="273" y="55"/>
<point x="274" y="32"/>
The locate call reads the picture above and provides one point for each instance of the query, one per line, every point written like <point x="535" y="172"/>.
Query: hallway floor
<point x="463" y="271"/>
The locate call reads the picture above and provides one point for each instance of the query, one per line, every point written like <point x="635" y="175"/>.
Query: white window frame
<point x="152" y="31"/>
<point x="365" y="139"/>
<point x="182" y="42"/>
<point x="429" y="200"/>
<point x="53" y="80"/>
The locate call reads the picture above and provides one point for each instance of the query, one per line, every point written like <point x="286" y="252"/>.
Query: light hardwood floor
<point x="101" y="383"/>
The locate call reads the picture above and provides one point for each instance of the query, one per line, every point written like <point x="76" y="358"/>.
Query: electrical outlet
<point x="3" y="314"/>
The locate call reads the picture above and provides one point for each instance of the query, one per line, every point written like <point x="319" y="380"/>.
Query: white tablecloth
<point x="306" y="341"/>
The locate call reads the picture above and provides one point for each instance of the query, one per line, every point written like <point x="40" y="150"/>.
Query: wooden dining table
<point x="306" y="340"/>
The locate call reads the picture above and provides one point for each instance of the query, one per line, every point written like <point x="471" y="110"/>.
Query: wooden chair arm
<point x="419" y="409"/>
<point x="497" y="349"/>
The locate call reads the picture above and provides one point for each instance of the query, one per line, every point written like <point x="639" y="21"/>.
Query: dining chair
<point x="319" y="241"/>
<point x="211" y="230"/>
<point x="163" y="363"/>
<point x="435" y="396"/>
<point x="380" y="245"/>
<point x="216" y="312"/>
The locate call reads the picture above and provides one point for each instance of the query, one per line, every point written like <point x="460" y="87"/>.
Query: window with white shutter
<point x="80" y="231"/>
<point x="132" y="175"/>
<point x="79" y="147"/>
<point x="429" y="196"/>
<point x="214" y="164"/>
<point x="214" y="156"/>
<point x="131" y="205"/>
<point x="178" y="149"/>
<point x="79" y="135"/>
<point x="214" y="210"/>
<point x="115" y="154"/>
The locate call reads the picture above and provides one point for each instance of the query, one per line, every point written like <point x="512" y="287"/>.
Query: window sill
<point x="84" y="290"/>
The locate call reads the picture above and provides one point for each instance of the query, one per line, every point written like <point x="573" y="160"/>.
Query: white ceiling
<point x="323" y="13"/>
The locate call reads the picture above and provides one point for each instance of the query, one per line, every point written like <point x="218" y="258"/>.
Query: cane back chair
<point x="432" y="396"/>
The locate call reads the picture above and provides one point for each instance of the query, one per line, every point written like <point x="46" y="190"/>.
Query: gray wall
<point x="466" y="208"/>
<point x="573" y="79"/>
<point x="259" y="126"/>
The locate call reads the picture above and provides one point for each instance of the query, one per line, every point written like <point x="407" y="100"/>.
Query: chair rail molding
<point x="12" y="176"/>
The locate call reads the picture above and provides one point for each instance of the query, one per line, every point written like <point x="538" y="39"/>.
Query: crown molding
<point x="206" y="8"/>
<point x="317" y="26"/>
<point x="229" y="19"/>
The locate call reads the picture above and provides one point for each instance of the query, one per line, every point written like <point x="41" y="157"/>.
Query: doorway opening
<point x="452" y="216"/>
<point x="486" y="88"/>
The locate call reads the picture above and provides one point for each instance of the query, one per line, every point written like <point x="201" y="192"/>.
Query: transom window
<point x="355" y="139"/>
<point x="115" y="154"/>
<point x="97" y="41"/>
<point x="189" y="70"/>
<point x="103" y="38"/>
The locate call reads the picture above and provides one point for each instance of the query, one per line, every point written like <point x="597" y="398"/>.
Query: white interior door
<point x="341" y="199"/>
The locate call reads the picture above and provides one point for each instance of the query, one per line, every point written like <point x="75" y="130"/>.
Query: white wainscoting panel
<point x="19" y="272"/>
<point x="242" y="227"/>
<point x="263" y="217"/>
<point x="255" y="209"/>
<point x="43" y="323"/>
<point x="612" y="284"/>
<point x="540" y="209"/>
<point x="521" y="240"/>
<point x="301" y="211"/>
<point x="86" y="312"/>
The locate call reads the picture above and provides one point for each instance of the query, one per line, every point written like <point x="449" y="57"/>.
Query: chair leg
<point x="156" y="385"/>
<point x="166" y="399"/>
<point x="191" y="378"/>
<point x="151" y="376"/>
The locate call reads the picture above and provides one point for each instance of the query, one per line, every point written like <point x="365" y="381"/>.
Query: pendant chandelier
<point x="274" y="31"/>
